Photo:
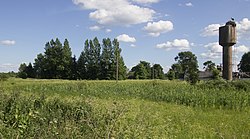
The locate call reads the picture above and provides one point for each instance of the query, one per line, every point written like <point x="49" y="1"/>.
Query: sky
<point x="148" y="30"/>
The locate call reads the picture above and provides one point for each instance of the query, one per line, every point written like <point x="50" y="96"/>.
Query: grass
<point x="129" y="109"/>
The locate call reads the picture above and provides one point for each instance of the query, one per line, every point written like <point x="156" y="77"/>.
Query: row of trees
<point x="96" y="61"/>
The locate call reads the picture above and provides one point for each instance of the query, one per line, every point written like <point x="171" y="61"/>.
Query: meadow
<point x="127" y="109"/>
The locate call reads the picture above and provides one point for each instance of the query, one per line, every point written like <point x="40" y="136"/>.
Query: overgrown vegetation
<point x="129" y="109"/>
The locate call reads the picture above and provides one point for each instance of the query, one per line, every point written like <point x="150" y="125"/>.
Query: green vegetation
<point x="127" y="109"/>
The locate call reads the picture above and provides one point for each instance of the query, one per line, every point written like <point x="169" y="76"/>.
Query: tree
<point x="178" y="72"/>
<point x="157" y="72"/>
<point x="107" y="57"/>
<point x="39" y="66"/>
<point x="244" y="65"/>
<point x="171" y="74"/>
<point x="210" y="66"/>
<point x="67" y="60"/>
<point x="82" y="62"/>
<point x="189" y="65"/>
<point x="30" y="71"/>
<point x="22" y="71"/>
<point x="142" y="70"/>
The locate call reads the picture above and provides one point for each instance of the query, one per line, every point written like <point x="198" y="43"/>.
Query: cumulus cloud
<point x="211" y="30"/>
<point x="95" y="28"/>
<point x="8" y="42"/>
<point x="126" y="38"/>
<point x="180" y="44"/>
<point x="189" y="4"/>
<point x="116" y="12"/>
<point x="155" y="29"/>
<point x="241" y="49"/>
<point x="146" y="1"/>
<point x="243" y="27"/>
<point x="214" y="51"/>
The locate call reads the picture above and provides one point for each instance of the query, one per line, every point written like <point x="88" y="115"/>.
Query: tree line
<point x="103" y="61"/>
<point x="96" y="61"/>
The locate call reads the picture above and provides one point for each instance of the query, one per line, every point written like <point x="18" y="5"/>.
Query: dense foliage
<point x="143" y="70"/>
<point x="97" y="61"/>
<point x="186" y="67"/>
<point x="244" y="65"/>
<point x="129" y="109"/>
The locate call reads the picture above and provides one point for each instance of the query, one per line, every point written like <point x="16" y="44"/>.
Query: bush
<point x="3" y="77"/>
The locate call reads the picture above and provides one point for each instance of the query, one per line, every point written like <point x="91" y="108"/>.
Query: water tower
<point x="227" y="38"/>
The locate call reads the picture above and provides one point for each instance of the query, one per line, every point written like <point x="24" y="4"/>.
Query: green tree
<point x="244" y="65"/>
<point x="178" y="72"/>
<point x="142" y="70"/>
<point x="189" y="64"/>
<point x="210" y="66"/>
<point x="82" y="62"/>
<point x="157" y="72"/>
<point x="22" y="71"/>
<point x="39" y="66"/>
<point x="171" y="74"/>
<point x="67" y="60"/>
<point x="107" y="58"/>
<point x="30" y="71"/>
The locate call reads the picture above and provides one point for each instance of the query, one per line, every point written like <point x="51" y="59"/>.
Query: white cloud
<point x="243" y="27"/>
<point x="211" y="30"/>
<point x="180" y="44"/>
<point x="108" y="30"/>
<point x="95" y="28"/>
<point x="133" y="45"/>
<point x="155" y="29"/>
<point x="241" y="49"/>
<point x="8" y="67"/>
<point x="126" y="38"/>
<point x="116" y="12"/>
<point x="189" y="4"/>
<point x="7" y="42"/>
<point x="214" y="51"/>
<point x="146" y="1"/>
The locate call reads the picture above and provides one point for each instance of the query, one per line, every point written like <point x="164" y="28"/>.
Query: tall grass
<point x="127" y="109"/>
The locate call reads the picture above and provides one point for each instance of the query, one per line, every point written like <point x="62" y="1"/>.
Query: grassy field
<point x="127" y="109"/>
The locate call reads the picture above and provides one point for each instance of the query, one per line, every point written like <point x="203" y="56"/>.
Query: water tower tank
<point x="227" y="34"/>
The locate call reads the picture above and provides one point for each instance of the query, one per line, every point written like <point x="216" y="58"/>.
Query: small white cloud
<point x="108" y="30"/>
<point x="95" y="28"/>
<point x="132" y="45"/>
<point x="7" y="67"/>
<point x="180" y="44"/>
<point x="8" y="42"/>
<point x="155" y="29"/>
<point x="126" y="38"/>
<point x="189" y="4"/>
<point x="211" y="30"/>
<point x="146" y="1"/>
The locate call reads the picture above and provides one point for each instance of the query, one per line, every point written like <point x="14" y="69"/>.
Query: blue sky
<point x="151" y="30"/>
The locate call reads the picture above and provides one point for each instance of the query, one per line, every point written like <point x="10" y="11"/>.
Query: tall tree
<point x="67" y="60"/>
<point x="39" y="66"/>
<point x="209" y="65"/>
<point x="244" y="65"/>
<point x="106" y="59"/>
<point x="157" y="72"/>
<point x="121" y="69"/>
<point x="22" y="71"/>
<point x="82" y="62"/>
<point x="189" y="64"/>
